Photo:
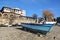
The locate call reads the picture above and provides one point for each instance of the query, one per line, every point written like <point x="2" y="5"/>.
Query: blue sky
<point x="34" y="6"/>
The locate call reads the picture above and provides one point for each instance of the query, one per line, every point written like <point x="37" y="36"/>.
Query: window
<point x="16" y="11"/>
<point x="11" y="10"/>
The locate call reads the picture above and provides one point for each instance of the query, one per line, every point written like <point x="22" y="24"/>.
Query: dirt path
<point x="11" y="33"/>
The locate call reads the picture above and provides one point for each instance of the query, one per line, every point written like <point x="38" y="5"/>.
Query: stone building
<point x="14" y="10"/>
<point x="7" y="17"/>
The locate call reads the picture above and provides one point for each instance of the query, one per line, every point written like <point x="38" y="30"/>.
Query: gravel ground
<point x="11" y="33"/>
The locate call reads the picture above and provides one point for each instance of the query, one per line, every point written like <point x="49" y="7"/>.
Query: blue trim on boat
<point x="41" y="27"/>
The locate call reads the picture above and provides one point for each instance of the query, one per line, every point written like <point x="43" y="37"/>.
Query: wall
<point x="13" y="18"/>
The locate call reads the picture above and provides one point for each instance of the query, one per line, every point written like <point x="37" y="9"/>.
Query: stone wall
<point x="12" y="18"/>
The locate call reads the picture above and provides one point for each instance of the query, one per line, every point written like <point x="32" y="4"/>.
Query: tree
<point x="48" y="15"/>
<point x="35" y="16"/>
<point x="58" y="19"/>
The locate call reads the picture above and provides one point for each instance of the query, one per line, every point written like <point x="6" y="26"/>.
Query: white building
<point x="14" y="10"/>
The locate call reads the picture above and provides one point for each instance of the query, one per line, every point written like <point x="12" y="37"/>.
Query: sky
<point x="34" y="6"/>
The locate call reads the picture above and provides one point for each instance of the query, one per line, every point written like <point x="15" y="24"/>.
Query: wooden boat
<point x="43" y="28"/>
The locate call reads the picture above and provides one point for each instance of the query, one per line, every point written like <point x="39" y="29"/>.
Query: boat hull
<point x="43" y="28"/>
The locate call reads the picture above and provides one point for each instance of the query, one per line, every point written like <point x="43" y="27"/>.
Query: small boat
<point x="43" y="28"/>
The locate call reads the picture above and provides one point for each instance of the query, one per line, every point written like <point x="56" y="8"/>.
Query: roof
<point x="11" y="8"/>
